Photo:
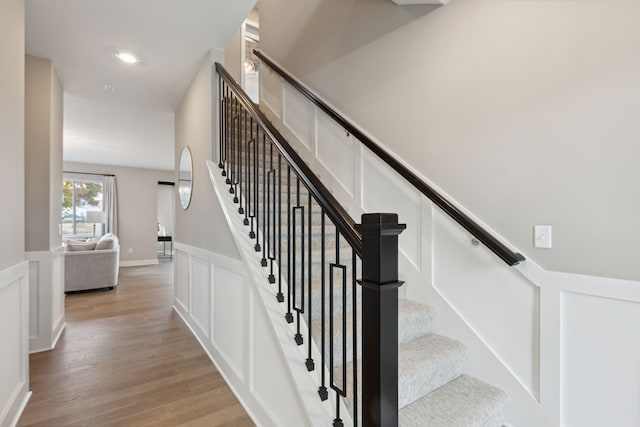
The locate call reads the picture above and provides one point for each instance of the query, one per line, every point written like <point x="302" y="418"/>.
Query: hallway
<point x="127" y="359"/>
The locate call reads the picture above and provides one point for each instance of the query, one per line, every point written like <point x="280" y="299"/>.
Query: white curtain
<point x="110" y="204"/>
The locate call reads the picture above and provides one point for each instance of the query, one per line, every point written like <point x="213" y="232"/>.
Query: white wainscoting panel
<point x="241" y="343"/>
<point x="201" y="294"/>
<point x="501" y="306"/>
<point x="266" y="375"/>
<point x="57" y="294"/>
<point x="298" y="116"/>
<point x="384" y="191"/>
<point x="335" y="150"/>
<point x="271" y="91"/>
<point x="14" y="336"/>
<point x="230" y="308"/>
<point x="601" y="361"/>
<point x="34" y="300"/>
<point x="181" y="283"/>
<point x="46" y="298"/>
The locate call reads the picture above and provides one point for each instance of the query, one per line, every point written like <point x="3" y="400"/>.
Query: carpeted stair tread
<point x="463" y="402"/>
<point x="414" y="320"/>
<point x="426" y="363"/>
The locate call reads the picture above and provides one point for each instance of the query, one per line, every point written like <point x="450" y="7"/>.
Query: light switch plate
<point x="542" y="236"/>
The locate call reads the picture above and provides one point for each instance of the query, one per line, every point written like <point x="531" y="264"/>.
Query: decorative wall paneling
<point x="46" y="298"/>
<point x="235" y="317"/>
<point x="14" y="336"/>
<point x="557" y="343"/>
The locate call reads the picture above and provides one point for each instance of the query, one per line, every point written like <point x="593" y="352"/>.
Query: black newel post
<point x="380" y="318"/>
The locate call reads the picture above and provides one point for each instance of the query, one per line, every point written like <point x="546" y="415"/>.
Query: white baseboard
<point x="138" y="262"/>
<point x="23" y="404"/>
<point x="56" y="337"/>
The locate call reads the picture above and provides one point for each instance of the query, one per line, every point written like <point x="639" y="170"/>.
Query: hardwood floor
<point x="127" y="359"/>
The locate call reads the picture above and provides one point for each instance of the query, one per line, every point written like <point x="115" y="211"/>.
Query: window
<point x="80" y="196"/>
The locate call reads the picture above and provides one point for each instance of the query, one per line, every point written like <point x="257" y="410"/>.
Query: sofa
<point x="93" y="264"/>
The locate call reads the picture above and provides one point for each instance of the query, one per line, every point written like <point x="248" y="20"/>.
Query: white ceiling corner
<point x="133" y="126"/>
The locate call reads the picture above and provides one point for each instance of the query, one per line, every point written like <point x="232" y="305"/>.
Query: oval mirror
<point x="185" y="181"/>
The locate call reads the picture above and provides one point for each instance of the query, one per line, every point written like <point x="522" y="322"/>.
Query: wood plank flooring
<point x="127" y="359"/>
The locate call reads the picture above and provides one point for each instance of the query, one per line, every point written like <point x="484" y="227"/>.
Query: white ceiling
<point x="133" y="126"/>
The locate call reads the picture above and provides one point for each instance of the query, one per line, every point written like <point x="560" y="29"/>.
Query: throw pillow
<point x="73" y="246"/>
<point x="105" y="243"/>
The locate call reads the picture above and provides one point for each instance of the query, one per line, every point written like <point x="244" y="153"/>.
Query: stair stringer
<point x="304" y="383"/>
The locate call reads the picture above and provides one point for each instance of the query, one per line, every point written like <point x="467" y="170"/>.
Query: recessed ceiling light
<point x="109" y="88"/>
<point x="127" y="57"/>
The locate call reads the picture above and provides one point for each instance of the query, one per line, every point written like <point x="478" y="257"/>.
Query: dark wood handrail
<point x="334" y="210"/>
<point x="501" y="250"/>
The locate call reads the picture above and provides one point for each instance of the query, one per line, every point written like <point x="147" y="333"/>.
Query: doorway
<point x="166" y="219"/>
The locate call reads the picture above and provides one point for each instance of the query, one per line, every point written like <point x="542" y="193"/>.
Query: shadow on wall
<point x="336" y="29"/>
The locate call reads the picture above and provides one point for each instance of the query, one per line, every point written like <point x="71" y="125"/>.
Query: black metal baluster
<point x="299" y="309"/>
<point x="280" y="296"/>
<point x="221" y="123"/>
<point x="237" y="176"/>
<point x="242" y="146"/>
<point x="289" y="315"/>
<point x="254" y="194"/>
<point x="265" y="225"/>
<point x="340" y="391"/>
<point x="354" y="335"/>
<point x="309" y="362"/>
<point x="272" y="218"/>
<point x="257" y="188"/>
<point x="247" y="200"/>
<point x="271" y="222"/>
<point x="227" y="124"/>
<point x="226" y="130"/>
<point x="322" y="390"/>
<point x="250" y="207"/>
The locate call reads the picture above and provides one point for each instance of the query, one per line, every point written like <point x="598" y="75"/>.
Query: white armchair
<point x="86" y="268"/>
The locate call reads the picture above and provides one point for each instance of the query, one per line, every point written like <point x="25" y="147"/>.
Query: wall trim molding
<point x="46" y="298"/>
<point x="14" y="283"/>
<point x="20" y="409"/>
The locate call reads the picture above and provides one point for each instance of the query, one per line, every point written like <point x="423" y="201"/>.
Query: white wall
<point x="557" y="343"/>
<point x="523" y="111"/>
<point x="14" y="275"/>
<point x="137" y="208"/>
<point x="202" y="224"/>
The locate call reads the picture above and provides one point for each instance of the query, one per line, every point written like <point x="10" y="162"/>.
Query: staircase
<point x="313" y="270"/>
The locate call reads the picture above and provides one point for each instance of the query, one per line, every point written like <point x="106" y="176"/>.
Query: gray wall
<point x="203" y="224"/>
<point x="43" y="154"/>
<point x="524" y="112"/>
<point x="55" y="159"/>
<point x="137" y="206"/>
<point x="12" y="132"/>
